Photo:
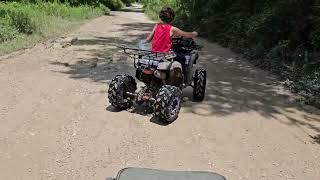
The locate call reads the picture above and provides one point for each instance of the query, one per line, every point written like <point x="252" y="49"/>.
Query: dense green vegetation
<point x="25" y="22"/>
<point x="112" y="4"/>
<point x="282" y="36"/>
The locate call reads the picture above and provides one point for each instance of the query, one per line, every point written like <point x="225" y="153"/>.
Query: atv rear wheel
<point x="118" y="88"/>
<point x="168" y="103"/>
<point x="199" y="85"/>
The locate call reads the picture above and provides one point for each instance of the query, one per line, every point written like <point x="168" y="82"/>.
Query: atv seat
<point x="151" y="174"/>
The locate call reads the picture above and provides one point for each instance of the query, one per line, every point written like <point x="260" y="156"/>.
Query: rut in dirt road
<point x="55" y="125"/>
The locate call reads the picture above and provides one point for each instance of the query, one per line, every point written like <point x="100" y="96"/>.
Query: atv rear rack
<point x="146" y="54"/>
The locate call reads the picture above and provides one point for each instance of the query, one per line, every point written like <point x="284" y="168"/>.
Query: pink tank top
<point x="162" y="41"/>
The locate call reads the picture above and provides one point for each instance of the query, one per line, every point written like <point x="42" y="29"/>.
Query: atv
<point x="164" y="76"/>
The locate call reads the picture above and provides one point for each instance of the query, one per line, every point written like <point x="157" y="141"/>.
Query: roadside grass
<point x="22" y="25"/>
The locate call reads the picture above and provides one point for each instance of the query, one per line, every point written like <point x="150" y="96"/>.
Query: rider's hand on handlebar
<point x="195" y="34"/>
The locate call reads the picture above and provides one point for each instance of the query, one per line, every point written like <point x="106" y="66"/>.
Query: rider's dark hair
<point x="167" y="14"/>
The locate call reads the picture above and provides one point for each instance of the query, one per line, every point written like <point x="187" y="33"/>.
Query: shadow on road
<point x="106" y="60"/>
<point x="234" y="86"/>
<point x="141" y="110"/>
<point x="316" y="138"/>
<point x="158" y="122"/>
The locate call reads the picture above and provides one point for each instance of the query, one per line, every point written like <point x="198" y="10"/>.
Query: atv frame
<point x="164" y="76"/>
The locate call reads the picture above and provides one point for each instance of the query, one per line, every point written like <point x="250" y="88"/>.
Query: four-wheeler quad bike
<point x="152" y="174"/>
<point x="164" y="76"/>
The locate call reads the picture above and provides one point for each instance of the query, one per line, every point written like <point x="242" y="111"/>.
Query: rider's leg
<point x="190" y="59"/>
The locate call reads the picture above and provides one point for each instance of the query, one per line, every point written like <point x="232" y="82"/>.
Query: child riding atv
<point x="165" y="71"/>
<point x="161" y="38"/>
<point x="162" y="33"/>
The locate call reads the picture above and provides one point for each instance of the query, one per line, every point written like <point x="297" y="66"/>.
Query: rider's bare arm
<point x="150" y="37"/>
<point x="177" y="32"/>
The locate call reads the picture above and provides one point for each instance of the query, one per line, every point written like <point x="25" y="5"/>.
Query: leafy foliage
<point x="22" y="22"/>
<point x="7" y="32"/>
<point x="114" y="4"/>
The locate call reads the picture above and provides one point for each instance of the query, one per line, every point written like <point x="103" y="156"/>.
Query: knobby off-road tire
<point x="199" y="85"/>
<point x="117" y="91"/>
<point x="168" y="103"/>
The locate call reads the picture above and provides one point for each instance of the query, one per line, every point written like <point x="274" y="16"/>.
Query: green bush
<point x="114" y="4"/>
<point x="105" y="9"/>
<point x="22" y="21"/>
<point x="7" y="32"/>
<point x="128" y="2"/>
<point x="153" y="7"/>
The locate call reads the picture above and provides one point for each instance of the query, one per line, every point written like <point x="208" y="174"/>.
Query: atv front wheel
<point x="118" y="91"/>
<point x="199" y="85"/>
<point x="168" y="103"/>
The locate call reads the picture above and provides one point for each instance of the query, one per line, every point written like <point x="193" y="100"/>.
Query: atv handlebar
<point x="187" y="44"/>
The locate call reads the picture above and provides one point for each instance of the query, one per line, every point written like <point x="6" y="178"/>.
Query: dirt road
<point x="56" y="122"/>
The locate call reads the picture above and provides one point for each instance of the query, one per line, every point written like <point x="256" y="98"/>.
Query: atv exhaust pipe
<point x="135" y="96"/>
<point x="131" y="94"/>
